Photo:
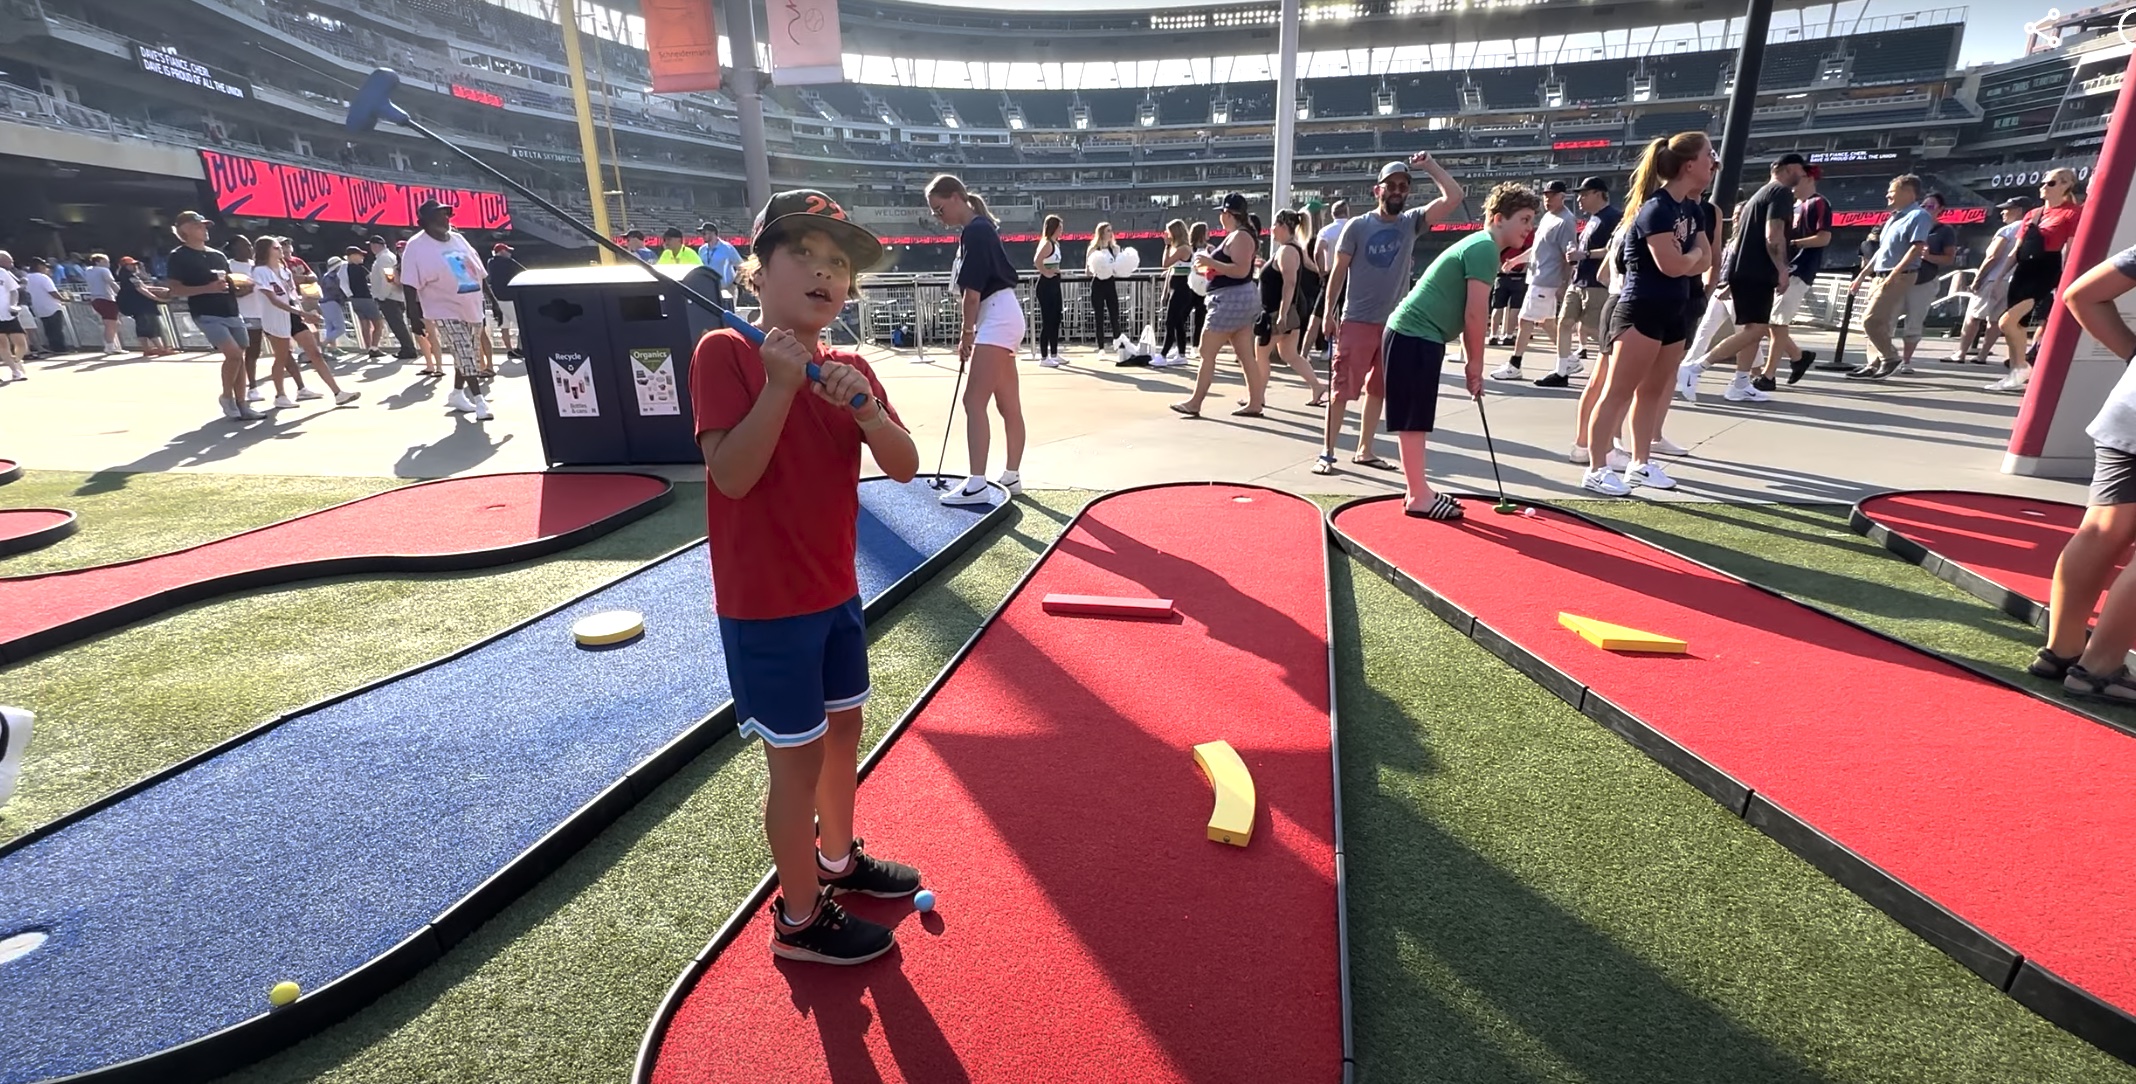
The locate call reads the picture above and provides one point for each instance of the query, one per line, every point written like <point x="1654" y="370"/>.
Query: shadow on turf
<point x="1599" y="1013"/>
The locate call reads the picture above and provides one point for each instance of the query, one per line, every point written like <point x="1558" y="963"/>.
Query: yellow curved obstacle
<point x="1232" y="819"/>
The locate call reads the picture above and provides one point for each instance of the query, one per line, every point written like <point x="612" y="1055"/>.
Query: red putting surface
<point x="2009" y="811"/>
<point x="2010" y="541"/>
<point x="18" y="522"/>
<point x="435" y="519"/>
<point x="1088" y="930"/>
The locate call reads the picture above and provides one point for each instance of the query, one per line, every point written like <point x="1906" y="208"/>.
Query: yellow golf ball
<point x="282" y="994"/>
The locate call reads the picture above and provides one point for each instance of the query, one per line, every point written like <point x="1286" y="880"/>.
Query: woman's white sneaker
<point x="1605" y="482"/>
<point x="1050" y="363"/>
<point x="1011" y="481"/>
<point x="973" y="491"/>
<point x="284" y="402"/>
<point x="1648" y="474"/>
<point x="308" y="393"/>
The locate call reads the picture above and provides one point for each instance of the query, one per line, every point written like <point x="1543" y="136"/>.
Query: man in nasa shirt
<point x="1370" y="275"/>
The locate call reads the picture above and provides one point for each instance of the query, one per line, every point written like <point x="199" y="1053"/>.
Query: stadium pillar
<point x="589" y="148"/>
<point x="1286" y="105"/>
<point x="1735" y="136"/>
<point x="742" y="83"/>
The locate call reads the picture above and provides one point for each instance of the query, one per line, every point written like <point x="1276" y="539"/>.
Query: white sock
<point x="1742" y="380"/>
<point x="1566" y="363"/>
<point x="975" y="483"/>
<point x="1008" y="476"/>
<point x="837" y="868"/>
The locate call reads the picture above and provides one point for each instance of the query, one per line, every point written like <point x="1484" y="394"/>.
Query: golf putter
<point x="1505" y="505"/>
<point x="373" y="102"/>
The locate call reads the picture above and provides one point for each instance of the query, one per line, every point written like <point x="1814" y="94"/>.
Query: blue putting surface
<point x="320" y="844"/>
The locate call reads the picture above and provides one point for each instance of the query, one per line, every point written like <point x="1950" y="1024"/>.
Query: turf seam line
<point x="38" y="642"/>
<point x="656" y="1030"/>
<point x="43" y="536"/>
<point x="1943" y="568"/>
<point x="1328" y="551"/>
<point x="247" y="1041"/>
<point x="2048" y="995"/>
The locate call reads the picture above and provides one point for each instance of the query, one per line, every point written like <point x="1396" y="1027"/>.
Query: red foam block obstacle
<point x="1108" y="606"/>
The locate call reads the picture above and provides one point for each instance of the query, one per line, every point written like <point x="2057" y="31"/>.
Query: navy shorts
<point x="790" y="673"/>
<point x="1664" y="323"/>
<point x="1412" y="366"/>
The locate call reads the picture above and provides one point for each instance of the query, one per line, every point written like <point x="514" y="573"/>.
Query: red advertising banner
<point x="260" y="189"/>
<point x="1950" y="216"/>
<point x="681" y="45"/>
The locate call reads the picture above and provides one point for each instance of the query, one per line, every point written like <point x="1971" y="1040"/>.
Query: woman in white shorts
<point x="993" y="329"/>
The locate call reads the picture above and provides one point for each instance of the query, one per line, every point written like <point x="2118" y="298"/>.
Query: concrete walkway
<point x="1092" y="426"/>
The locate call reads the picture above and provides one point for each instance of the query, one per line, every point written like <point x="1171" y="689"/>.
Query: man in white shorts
<point x="1807" y="236"/>
<point x="1550" y="265"/>
<point x="1991" y="286"/>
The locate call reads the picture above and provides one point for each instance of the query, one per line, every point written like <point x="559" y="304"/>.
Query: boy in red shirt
<point x="783" y="456"/>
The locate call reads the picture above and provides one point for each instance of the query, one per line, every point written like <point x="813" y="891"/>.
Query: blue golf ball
<point x="923" y="899"/>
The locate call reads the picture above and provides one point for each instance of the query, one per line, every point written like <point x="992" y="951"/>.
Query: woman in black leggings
<point x="1104" y="262"/>
<point x="1198" y="240"/>
<point x="1048" y="259"/>
<point x="1180" y="300"/>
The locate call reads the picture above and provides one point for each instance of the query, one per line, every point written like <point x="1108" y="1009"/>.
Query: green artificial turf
<point x="119" y="706"/>
<point x="1531" y="899"/>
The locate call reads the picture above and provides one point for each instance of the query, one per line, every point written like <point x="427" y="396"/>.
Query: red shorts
<point x="1355" y="366"/>
<point x="105" y="308"/>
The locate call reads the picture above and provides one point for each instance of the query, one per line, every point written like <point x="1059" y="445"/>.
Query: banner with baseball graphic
<point x="805" y="44"/>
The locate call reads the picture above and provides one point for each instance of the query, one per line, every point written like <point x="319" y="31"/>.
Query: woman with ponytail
<point x="1048" y="289"/>
<point x="1660" y="251"/>
<point x="1233" y="305"/>
<point x="1179" y="297"/>
<point x="993" y="328"/>
<point x="1106" y="263"/>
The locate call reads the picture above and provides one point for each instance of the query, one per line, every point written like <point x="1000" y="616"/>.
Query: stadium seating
<point x="1252" y="101"/>
<point x="1427" y="92"/>
<point x="977" y="108"/>
<point x="1688" y="75"/>
<point x="1112" y="108"/>
<point x="1653" y="125"/>
<point x="1792" y="64"/>
<point x="1600" y="82"/>
<point x="1338" y="142"/>
<point x="1183" y="105"/>
<point x="849" y="100"/>
<point x="1509" y="88"/>
<point x="991" y="154"/>
<point x="915" y="105"/>
<point x="1043" y="109"/>
<point x="1343" y="96"/>
<point x="1900" y="56"/>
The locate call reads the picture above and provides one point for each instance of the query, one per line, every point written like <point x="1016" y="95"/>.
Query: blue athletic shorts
<point x="790" y="673"/>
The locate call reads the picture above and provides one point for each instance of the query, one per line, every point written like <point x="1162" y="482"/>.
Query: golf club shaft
<point x="956" y="391"/>
<point x="1490" y="447"/>
<point x="567" y="217"/>
<point x="630" y="257"/>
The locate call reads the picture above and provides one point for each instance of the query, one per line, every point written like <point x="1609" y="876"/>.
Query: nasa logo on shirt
<point x="1384" y="245"/>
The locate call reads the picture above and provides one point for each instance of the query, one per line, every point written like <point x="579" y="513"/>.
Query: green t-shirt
<point x="1437" y="307"/>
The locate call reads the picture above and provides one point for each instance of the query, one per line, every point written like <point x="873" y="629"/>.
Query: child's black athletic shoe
<point x="831" y="937"/>
<point x="869" y="876"/>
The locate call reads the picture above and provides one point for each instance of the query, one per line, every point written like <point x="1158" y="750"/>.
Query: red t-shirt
<point x="2057" y="225"/>
<point x="787" y="547"/>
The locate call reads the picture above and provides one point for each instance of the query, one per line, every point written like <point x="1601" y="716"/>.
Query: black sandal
<point x="2051" y="666"/>
<point x="1183" y="410"/>
<point x="1374" y="462"/>
<point x="1442" y="507"/>
<point x="2117" y="686"/>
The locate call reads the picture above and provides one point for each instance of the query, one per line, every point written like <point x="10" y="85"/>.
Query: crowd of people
<point x="251" y="297"/>
<point x="1650" y="294"/>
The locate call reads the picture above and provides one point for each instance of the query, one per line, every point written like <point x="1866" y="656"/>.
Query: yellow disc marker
<point x="282" y="994"/>
<point x="612" y="627"/>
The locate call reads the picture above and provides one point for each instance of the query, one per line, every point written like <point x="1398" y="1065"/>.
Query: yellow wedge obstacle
<point x="1610" y="637"/>
<point x="1232" y="819"/>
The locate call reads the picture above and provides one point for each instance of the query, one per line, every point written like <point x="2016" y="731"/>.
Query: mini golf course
<point x="26" y="529"/>
<point x="1990" y="821"/>
<point x="1531" y="897"/>
<point x="345" y="846"/>
<point x="2000" y="549"/>
<point x="456" y="523"/>
<point x="1088" y="927"/>
<point x="9" y="471"/>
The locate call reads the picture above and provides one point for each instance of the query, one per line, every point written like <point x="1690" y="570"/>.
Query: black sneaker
<point x="870" y="876"/>
<point x="1763" y="383"/>
<point x="408" y="357"/>
<point x="1552" y="380"/>
<point x="831" y="937"/>
<point x="1871" y="371"/>
<point x="1583" y="355"/>
<point x="516" y="353"/>
<point x="1799" y="366"/>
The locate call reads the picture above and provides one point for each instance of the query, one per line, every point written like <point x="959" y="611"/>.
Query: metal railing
<point x="932" y="313"/>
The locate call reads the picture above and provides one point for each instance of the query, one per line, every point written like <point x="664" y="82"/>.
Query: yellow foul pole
<point x="589" y="147"/>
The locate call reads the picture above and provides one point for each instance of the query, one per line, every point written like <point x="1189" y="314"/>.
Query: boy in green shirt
<point x="1453" y="298"/>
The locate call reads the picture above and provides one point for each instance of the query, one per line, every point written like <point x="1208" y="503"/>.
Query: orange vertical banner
<point x="681" y="45"/>
<point x="805" y="44"/>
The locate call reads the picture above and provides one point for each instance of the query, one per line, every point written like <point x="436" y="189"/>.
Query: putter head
<point x="374" y="101"/>
<point x="1507" y="508"/>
